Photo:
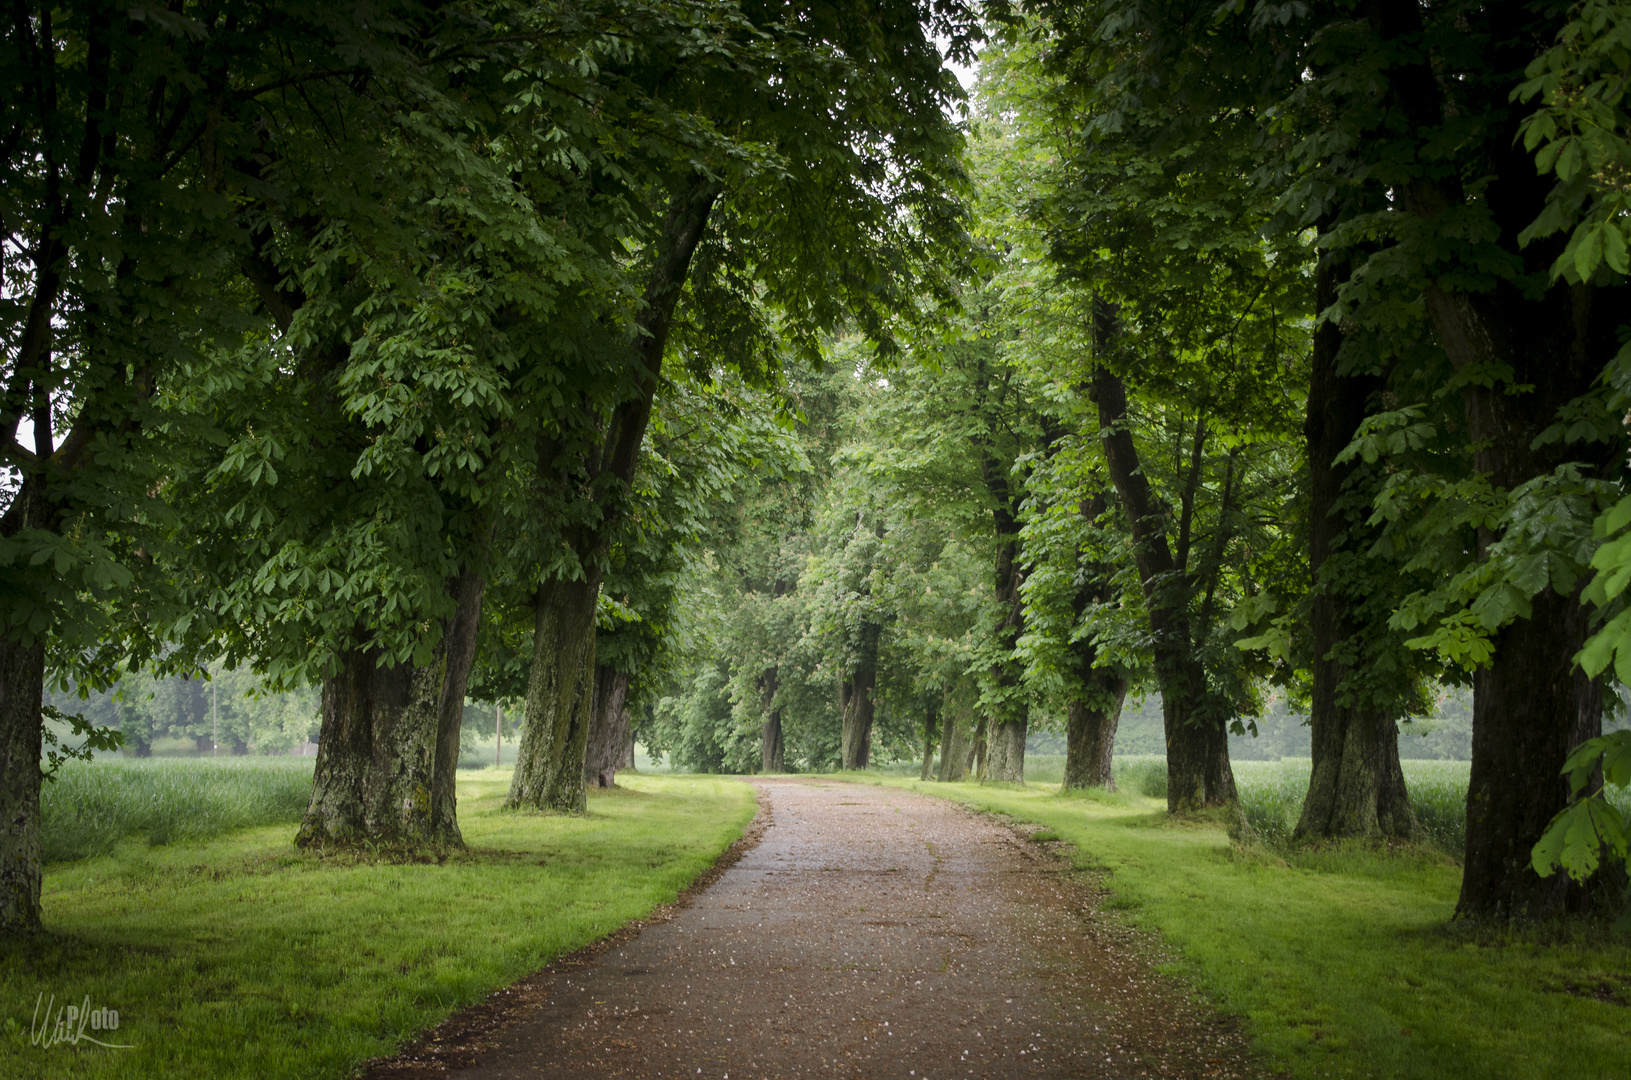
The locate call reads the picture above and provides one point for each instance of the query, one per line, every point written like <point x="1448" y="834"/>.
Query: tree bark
<point x="1010" y="719"/>
<point x="773" y="752"/>
<point x="22" y="688"/>
<point x="931" y="724"/>
<point x="459" y="645"/>
<point x="550" y="760"/>
<point x="1090" y="729"/>
<point x="1531" y="708"/>
<point x="374" y="779"/>
<point x="1007" y="751"/>
<point x="977" y="750"/>
<point x="1093" y="712"/>
<point x="855" y="693"/>
<point x="1198" y="772"/>
<point x="388" y="755"/>
<point x="609" y="731"/>
<point x="953" y="749"/>
<point x="1356" y="787"/>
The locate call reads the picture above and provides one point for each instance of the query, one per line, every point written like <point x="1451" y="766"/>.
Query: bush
<point x="91" y="806"/>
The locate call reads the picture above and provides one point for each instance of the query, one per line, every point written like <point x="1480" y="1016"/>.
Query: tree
<point x="1434" y="124"/>
<point x="1195" y="311"/>
<point x="374" y="432"/>
<point x="845" y="209"/>
<point x="118" y="228"/>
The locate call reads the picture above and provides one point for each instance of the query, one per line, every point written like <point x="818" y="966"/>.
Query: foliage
<point x="1592" y="828"/>
<point x="1582" y="135"/>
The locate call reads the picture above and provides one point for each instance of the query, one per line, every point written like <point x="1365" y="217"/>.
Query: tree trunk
<point x="388" y="755"/>
<point x="560" y="696"/>
<point x="1090" y="729"/>
<point x="376" y="757"/>
<point x="1531" y="707"/>
<point x="953" y="749"/>
<point x="772" y="749"/>
<point x="1010" y="718"/>
<point x="1094" y="712"/>
<point x="609" y="731"/>
<point x="975" y="766"/>
<point x="1008" y="750"/>
<point x="1198" y="772"/>
<point x="1356" y="787"/>
<point x="459" y="646"/>
<point x="22" y="688"/>
<point x="931" y="725"/>
<point x="855" y="695"/>
<point x="550" y="759"/>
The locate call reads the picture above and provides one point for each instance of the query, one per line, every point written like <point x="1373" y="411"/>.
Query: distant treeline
<point x="230" y="712"/>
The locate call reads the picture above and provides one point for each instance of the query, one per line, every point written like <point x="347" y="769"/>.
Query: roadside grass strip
<point x="1344" y="960"/>
<point x="240" y="956"/>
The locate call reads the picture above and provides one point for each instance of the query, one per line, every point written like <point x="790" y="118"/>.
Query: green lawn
<point x="1344" y="963"/>
<point x="241" y="957"/>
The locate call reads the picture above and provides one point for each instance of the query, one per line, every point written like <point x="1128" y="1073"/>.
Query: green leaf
<point x="1588" y="252"/>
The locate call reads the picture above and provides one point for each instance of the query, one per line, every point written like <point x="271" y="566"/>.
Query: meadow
<point x="229" y="953"/>
<point x="91" y="807"/>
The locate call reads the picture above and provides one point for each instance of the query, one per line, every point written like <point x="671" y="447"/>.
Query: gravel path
<point x="872" y="933"/>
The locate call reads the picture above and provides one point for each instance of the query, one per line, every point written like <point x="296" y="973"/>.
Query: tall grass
<point x="91" y="806"/>
<point x="1271" y="796"/>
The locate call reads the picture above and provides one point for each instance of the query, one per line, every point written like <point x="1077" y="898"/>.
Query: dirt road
<point x="873" y="933"/>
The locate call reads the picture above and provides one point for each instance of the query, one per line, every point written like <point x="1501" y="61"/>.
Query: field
<point x="89" y="809"/>
<point x="234" y="955"/>
<point x="1344" y="961"/>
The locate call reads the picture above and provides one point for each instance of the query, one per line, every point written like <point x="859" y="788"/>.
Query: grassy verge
<point x="241" y="957"/>
<point x="1344" y="961"/>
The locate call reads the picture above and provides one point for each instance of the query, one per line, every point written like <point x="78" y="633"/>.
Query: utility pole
<point x="498" y="735"/>
<point x="215" y="722"/>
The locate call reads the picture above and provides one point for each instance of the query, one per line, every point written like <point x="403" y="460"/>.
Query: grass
<point x="92" y="806"/>
<point x="1271" y="795"/>
<point x="238" y="956"/>
<point x="1271" y="792"/>
<point x="1343" y="961"/>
